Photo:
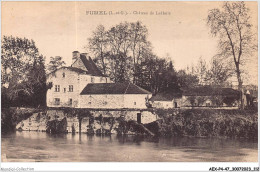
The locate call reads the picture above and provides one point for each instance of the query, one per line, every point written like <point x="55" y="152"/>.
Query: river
<point x="42" y="147"/>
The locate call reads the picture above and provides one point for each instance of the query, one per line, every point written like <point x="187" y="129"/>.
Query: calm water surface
<point x="43" y="147"/>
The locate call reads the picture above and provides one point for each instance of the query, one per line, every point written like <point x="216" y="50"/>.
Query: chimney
<point x="85" y="54"/>
<point x="75" y="56"/>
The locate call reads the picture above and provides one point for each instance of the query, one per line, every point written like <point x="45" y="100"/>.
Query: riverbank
<point x="171" y="122"/>
<point x="10" y="117"/>
<point x="207" y="123"/>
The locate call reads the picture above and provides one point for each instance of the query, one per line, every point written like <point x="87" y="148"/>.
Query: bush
<point x="209" y="123"/>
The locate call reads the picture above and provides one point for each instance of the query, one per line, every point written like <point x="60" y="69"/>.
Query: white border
<point x="155" y="166"/>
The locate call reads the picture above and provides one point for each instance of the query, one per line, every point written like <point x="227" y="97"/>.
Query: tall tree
<point x="236" y="41"/>
<point x="218" y="73"/>
<point x="17" y="55"/>
<point x="201" y="71"/>
<point x="124" y="42"/>
<point x="97" y="45"/>
<point x="23" y="71"/>
<point x="55" y="63"/>
<point x="139" y="43"/>
<point x="187" y="81"/>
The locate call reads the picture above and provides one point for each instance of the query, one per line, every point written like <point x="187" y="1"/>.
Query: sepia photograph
<point x="129" y="81"/>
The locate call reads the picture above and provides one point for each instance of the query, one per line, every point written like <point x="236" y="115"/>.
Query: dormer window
<point x="63" y="75"/>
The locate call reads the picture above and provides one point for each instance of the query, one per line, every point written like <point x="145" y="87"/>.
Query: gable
<point x="88" y="65"/>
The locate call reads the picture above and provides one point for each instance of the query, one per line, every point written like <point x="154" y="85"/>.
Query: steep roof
<point x="113" y="88"/>
<point x="91" y="67"/>
<point x="209" y="90"/>
<point x="166" y="96"/>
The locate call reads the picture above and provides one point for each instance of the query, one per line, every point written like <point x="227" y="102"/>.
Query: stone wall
<point x="162" y="104"/>
<point x="79" y="81"/>
<point x="112" y="101"/>
<point x="102" y="101"/>
<point x="206" y="101"/>
<point x="135" y="100"/>
<point x="71" y="78"/>
<point x="96" y="122"/>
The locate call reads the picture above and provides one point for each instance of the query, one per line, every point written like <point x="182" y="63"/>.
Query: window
<point x="207" y="104"/>
<point x="89" y="103"/>
<point x="57" y="101"/>
<point x="64" y="90"/>
<point x="134" y="103"/>
<point x="101" y="79"/>
<point x="70" y="102"/>
<point x="92" y="79"/>
<point x="63" y="75"/>
<point x="57" y="88"/>
<point x="70" y="88"/>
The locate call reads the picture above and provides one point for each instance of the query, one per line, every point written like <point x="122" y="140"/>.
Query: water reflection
<point x="40" y="146"/>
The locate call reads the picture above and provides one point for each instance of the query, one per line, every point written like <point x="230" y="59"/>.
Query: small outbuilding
<point x="114" y="96"/>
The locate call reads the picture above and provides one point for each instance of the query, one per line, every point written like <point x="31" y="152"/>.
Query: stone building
<point x="203" y="96"/>
<point x="68" y="82"/>
<point x="82" y="85"/>
<point x="114" y="96"/>
<point x="208" y="96"/>
<point x="166" y="100"/>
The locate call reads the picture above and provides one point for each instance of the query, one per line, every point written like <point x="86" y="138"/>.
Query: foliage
<point x="23" y="72"/>
<point x="210" y="123"/>
<point x="119" y="49"/>
<point x="124" y="53"/>
<point x="233" y="28"/>
<point x="55" y="63"/>
<point x="218" y="73"/>
<point x="201" y="70"/>
<point x="10" y="117"/>
<point x="187" y="80"/>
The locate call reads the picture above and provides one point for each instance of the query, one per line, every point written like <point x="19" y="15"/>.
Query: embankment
<point x="10" y="117"/>
<point x="72" y="120"/>
<point x="170" y="122"/>
<point x="207" y="123"/>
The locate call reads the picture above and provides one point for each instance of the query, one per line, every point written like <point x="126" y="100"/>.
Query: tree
<point x="55" y="63"/>
<point x="138" y="43"/>
<point x="234" y="30"/>
<point x="124" y="42"/>
<point x="187" y="81"/>
<point x="17" y="55"/>
<point x="218" y="73"/>
<point x="23" y="72"/>
<point x="201" y="71"/>
<point x="98" y="45"/>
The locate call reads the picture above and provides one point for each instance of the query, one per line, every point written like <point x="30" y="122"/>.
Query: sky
<point x="59" y="28"/>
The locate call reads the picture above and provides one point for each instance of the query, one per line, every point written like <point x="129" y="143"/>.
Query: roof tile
<point x="113" y="88"/>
